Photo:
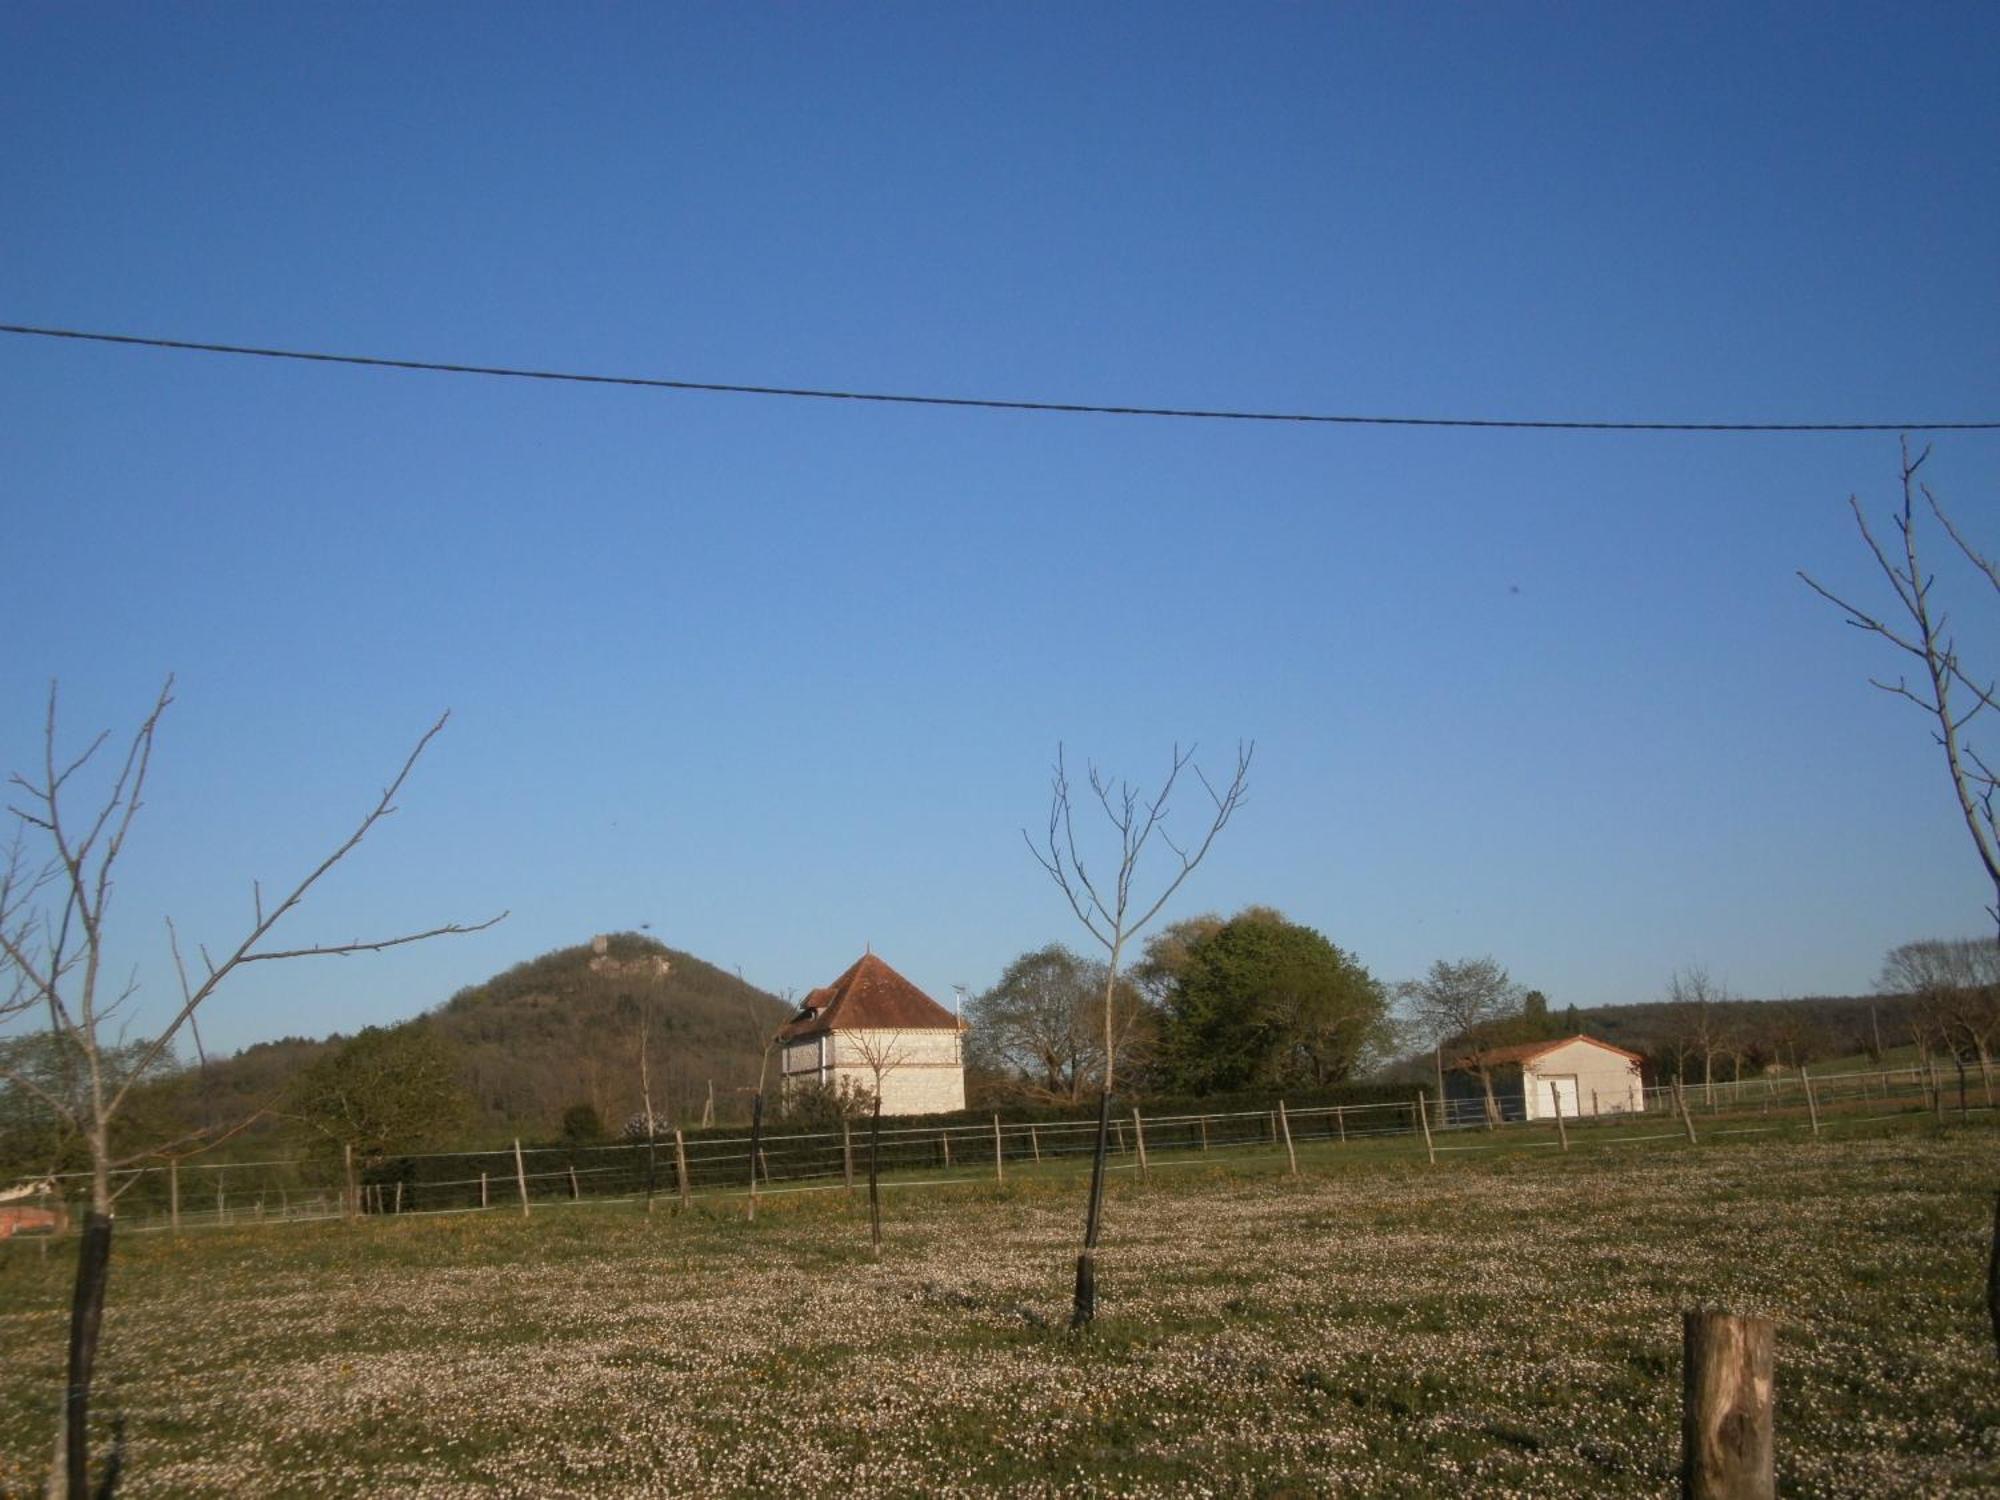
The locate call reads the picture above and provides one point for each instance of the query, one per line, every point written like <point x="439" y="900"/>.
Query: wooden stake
<point x="1139" y="1135"/>
<point x="1035" y="1143"/>
<point x="399" y="1195"/>
<point x="353" y="1194"/>
<point x="681" y="1168"/>
<point x="521" y="1176"/>
<point x="1680" y="1098"/>
<point x="1424" y="1115"/>
<point x="756" y="1146"/>
<point x="1812" y="1104"/>
<point x="999" y="1160"/>
<point x="847" y="1156"/>
<point x="1727" y="1389"/>
<point x="483" y="1201"/>
<point x="1562" y="1131"/>
<point x="1340" y="1119"/>
<point x="573" y="1193"/>
<point x="174" y="1194"/>
<point x="1204" y="1134"/>
<point x="1285" y="1124"/>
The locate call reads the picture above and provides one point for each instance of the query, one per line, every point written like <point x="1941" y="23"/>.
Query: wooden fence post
<point x="1285" y="1125"/>
<point x="521" y="1176"/>
<point x="174" y="1193"/>
<point x="1937" y="1091"/>
<point x="999" y="1159"/>
<point x="1562" y="1131"/>
<point x="1727" y="1382"/>
<point x="573" y="1193"/>
<point x="399" y="1195"/>
<point x="1424" y="1115"/>
<point x="1340" y="1117"/>
<point x="1139" y="1135"/>
<point x="353" y="1186"/>
<point x="1680" y="1098"/>
<point x="1035" y="1144"/>
<point x="1812" y="1104"/>
<point x="1204" y="1134"/>
<point x="681" y="1168"/>
<point x="847" y="1155"/>
<point x="483" y="1201"/>
<point x="944" y="1136"/>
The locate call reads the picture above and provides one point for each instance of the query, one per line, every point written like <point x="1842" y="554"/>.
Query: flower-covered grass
<point x="1494" y="1325"/>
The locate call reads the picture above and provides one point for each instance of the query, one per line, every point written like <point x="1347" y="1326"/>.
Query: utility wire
<point x="981" y="403"/>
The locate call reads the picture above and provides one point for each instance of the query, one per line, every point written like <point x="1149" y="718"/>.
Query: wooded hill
<point x="541" y="1038"/>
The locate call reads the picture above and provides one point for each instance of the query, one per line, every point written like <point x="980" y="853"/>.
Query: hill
<point x="563" y="1029"/>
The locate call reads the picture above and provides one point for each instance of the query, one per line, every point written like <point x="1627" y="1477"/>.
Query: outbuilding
<point x="1530" y="1081"/>
<point x="872" y="1030"/>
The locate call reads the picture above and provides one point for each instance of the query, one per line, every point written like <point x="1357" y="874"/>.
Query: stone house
<point x="871" y="1027"/>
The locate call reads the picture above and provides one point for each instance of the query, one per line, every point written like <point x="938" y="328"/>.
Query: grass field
<point x="1496" y="1325"/>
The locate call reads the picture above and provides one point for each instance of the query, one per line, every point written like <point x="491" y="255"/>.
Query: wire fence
<point x="519" y="1178"/>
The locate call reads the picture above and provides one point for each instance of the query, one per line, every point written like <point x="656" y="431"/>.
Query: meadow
<point x="1505" y="1324"/>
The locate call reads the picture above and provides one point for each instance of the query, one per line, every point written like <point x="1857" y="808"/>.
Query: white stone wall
<point x="1607" y="1081"/>
<point x="923" y="1072"/>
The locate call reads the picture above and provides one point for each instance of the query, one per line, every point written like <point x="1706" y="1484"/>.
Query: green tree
<point x="1043" y="1024"/>
<point x="386" y="1089"/>
<point x="1262" y="1001"/>
<point x="582" y="1125"/>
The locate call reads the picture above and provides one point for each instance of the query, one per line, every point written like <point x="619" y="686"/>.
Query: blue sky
<point x="785" y="678"/>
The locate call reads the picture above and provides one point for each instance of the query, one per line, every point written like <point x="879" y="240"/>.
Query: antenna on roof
<point x="957" y="1001"/>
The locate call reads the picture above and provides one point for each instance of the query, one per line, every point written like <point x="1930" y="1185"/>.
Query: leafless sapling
<point x="55" y="910"/>
<point x="1113" y="912"/>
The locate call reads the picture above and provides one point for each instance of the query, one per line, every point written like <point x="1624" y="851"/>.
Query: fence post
<point x="681" y="1167"/>
<point x="1812" y="1104"/>
<point x="174" y="1193"/>
<point x="847" y="1155"/>
<point x="944" y="1138"/>
<point x="1035" y="1144"/>
<point x="1285" y="1125"/>
<point x="1727" y="1380"/>
<point x="1340" y="1118"/>
<point x="1204" y="1134"/>
<point x="483" y="1202"/>
<point x="573" y="1193"/>
<point x="521" y="1176"/>
<point x="222" y="1197"/>
<point x="353" y="1194"/>
<point x="399" y="1195"/>
<point x="756" y="1145"/>
<point x="1139" y="1135"/>
<point x="999" y="1159"/>
<point x="1424" y="1115"/>
<point x="1562" y="1131"/>
<point x="1680" y="1098"/>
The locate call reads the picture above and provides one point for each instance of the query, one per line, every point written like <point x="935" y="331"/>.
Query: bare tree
<point x="881" y="1053"/>
<point x="54" y="912"/>
<point x="1921" y="630"/>
<point x="1452" y="1004"/>
<point x="1113" y="914"/>
<point x="1954" y="990"/>
<point x="1697" y="1024"/>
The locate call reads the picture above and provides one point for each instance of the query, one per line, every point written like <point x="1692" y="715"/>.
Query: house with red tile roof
<point x="872" y="1031"/>
<point x="1579" y="1075"/>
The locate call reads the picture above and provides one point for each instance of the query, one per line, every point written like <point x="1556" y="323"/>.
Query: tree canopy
<point x="385" y="1089"/>
<point x="1043" y="1026"/>
<point x="1259" y="1000"/>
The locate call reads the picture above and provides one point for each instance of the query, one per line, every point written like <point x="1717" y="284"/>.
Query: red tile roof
<point x="1527" y="1052"/>
<point x="870" y="996"/>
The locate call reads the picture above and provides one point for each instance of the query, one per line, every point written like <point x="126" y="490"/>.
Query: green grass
<point x="1506" y="1322"/>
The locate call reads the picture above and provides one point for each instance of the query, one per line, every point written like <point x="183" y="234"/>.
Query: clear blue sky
<point x="782" y="678"/>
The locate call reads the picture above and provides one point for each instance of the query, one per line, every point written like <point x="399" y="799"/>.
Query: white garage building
<point x="1580" y="1074"/>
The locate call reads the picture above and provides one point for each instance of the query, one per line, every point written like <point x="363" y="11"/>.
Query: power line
<point x="980" y="403"/>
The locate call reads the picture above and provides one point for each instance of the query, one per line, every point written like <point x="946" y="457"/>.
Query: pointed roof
<point x="1527" y="1052"/>
<point x="870" y="996"/>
